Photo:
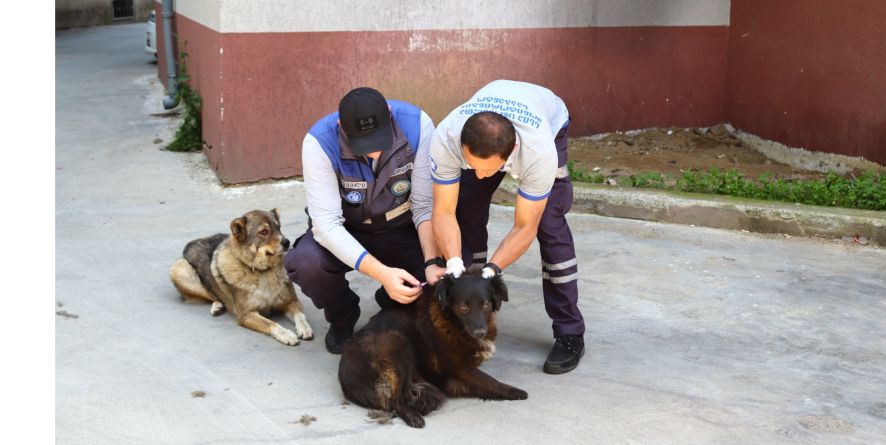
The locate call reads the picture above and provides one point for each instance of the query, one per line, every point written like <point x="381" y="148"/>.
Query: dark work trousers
<point x="321" y="276"/>
<point x="559" y="265"/>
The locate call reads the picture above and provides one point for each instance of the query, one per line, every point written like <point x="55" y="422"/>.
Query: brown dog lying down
<point x="243" y="272"/>
<point x="408" y="359"/>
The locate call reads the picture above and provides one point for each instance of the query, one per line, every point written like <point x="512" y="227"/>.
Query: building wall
<point x="810" y="74"/>
<point x="82" y="13"/>
<point x="268" y="69"/>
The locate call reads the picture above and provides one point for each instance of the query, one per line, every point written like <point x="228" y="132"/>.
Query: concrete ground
<point x="695" y="335"/>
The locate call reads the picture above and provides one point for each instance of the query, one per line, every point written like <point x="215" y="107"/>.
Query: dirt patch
<point x="65" y="314"/>
<point x="827" y="424"/>
<point x="198" y="394"/>
<point x="672" y="150"/>
<point x="305" y="420"/>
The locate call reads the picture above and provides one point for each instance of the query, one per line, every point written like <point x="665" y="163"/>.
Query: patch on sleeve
<point x="433" y="164"/>
<point x="354" y="197"/>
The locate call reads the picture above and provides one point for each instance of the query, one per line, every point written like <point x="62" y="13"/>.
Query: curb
<point x="722" y="212"/>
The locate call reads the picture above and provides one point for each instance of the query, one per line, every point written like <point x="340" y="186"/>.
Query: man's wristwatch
<point x="436" y="261"/>
<point x="494" y="267"/>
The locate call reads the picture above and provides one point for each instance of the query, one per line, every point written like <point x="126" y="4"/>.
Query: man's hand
<point x="490" y="270"/>
<point x="433" y="273"/>
<point x="455" y="267"/>
<point x="400" y="285"/>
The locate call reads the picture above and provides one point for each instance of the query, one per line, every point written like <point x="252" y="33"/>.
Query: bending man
<point x="518" y="128"/>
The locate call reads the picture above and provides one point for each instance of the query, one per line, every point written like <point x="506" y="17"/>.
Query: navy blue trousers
<point x="559" y="265"/>
<point x="321" y="275"/>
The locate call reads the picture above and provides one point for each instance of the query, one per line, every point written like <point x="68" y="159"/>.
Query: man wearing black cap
<point x="358" y="166"/>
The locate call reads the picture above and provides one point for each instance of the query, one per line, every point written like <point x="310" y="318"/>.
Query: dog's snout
<point x="479" y="333"/>
<point x="285" y="243"/>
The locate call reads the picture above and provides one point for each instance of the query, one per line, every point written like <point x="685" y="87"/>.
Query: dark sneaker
<point x="382" y="298"/>
<point x="565" y="354"/>
<point x="341" y="330"/>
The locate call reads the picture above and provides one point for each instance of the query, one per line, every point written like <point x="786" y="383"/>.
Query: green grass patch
<point x="189" y="136"/>
<point x="579" y="174"/>
<point x="867" y="191"/>
<point x="648" y="180"/>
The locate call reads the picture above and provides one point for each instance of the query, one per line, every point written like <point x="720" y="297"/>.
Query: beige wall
<point x="80" y="13"/>
<point x="262" y="16"/>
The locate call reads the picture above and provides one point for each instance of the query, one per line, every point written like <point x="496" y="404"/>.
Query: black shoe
<point x="341" y="330"/>
<point x="565" y="354"/>
<point x="382" y="298"/>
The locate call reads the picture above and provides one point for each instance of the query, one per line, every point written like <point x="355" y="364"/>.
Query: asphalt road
<point x="694" y="335"/>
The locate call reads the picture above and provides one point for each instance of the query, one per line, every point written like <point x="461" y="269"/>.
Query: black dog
<point x="408" y="359"/>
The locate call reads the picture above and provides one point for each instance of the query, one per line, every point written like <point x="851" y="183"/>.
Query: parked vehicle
<point x="151" y="31"/>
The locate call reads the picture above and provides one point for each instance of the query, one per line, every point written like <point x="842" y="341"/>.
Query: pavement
<point x="694" y="335"/>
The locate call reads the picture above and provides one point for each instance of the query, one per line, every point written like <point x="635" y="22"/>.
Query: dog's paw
<point x="414" y="420"/>
<point x="517" y="394"/>
<point x="302" y="328"/>
<point x="217" y="308"/>
<point x="284" y="336"/>
<point x="487" y="351"/>
<point x="304" y="332"/>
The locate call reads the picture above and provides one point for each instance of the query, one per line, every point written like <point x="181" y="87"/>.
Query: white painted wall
<point x="252" y="16"/>
<point x="204" y="12"/>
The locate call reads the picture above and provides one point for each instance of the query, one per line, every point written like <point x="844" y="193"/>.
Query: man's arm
<point x="527" y="216"/>
<point x="445" y="226"/>
<point x="536" y="184"/>
<point x="445" y="166"/>
<point x="429" y="248"/>
<point x="422" y="199"/>
<point x="324" y="205"/>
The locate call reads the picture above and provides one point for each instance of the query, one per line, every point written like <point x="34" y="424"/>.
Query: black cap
<point x="366" y="119"/>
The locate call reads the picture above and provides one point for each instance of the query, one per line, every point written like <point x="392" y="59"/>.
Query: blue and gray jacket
<point x="373" y="202"/>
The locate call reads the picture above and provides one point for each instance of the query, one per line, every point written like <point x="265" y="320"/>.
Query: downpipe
<point x="167" y="14"/>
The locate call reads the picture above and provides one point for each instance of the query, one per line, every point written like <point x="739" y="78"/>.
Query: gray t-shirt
<point x="537" y="114"/>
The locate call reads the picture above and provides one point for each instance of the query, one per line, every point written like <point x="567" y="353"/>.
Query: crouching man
<point x="358" y="166"/>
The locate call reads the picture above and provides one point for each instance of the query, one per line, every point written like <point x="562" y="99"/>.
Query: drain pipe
<point x="171" y="84"/>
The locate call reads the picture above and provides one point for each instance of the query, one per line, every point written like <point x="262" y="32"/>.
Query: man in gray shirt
<point x="358" y="165"/>
<point x="516" y="128"/>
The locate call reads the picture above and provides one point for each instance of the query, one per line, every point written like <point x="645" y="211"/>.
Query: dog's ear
<point x="238" y="229"/>
<point x="442" y="290"/>
<point x="499" y="291"/>
<point x="276" y="215"/>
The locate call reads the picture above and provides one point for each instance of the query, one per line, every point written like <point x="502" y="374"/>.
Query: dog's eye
<point x="485" y="306"/>
<point x="264" y="232"/>
<point x="463" y="307"/>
